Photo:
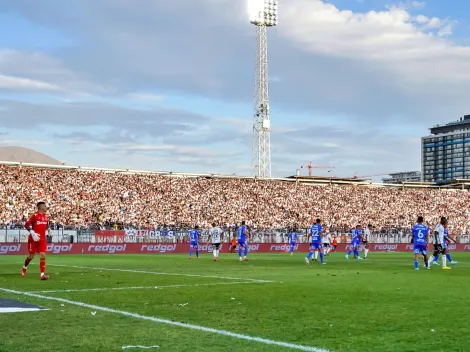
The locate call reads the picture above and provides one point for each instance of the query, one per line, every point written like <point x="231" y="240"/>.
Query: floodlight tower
<point x="263" y="14"/>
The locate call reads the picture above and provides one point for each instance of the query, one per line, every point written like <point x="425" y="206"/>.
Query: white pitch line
<point x="142" y="347"/>
<point x="173" y="323"/>
<point x="159" y="273"/>
<point x="147" y="287"/>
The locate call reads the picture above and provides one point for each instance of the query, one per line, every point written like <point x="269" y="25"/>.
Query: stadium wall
<point x="182" y="248"/>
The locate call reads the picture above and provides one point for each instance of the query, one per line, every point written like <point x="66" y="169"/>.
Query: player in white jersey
<point x="326" y="243"/>
<point x="366" y="239"/>
<point x="216" y="234"/>
<point x="439" y="243"/>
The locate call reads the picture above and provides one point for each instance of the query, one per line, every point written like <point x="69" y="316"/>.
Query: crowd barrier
<point x="180" y="248"/>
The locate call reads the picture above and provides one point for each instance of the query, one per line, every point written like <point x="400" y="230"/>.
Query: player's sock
<point x="365" y="252"/>
<point x="444" y="261"/>
<point x="309" y="256"/>
<point x="315" y="255"/>
<point x="42" y="266"/>
<point x="26" y="263"/>
<point x="349" y="252"/>
<point x="436" y="258"/>
<point x="214" y="251"/>
<point x="190" y="252"/>
<point x="240" y="251"/>
<point x="430" y="260"/>
<point x="356" y="253"/>
<point x="426" y="264"/>
<point x="246" y="251"/>
<point x="321" y="257"/>
<point x="197" y="253"/>
<point x="449" y="258"/>
<point x="416" y="264"/>
<point x="217" y="253"/>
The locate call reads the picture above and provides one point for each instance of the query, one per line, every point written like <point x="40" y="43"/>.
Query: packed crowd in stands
<point x="82" y="199"/>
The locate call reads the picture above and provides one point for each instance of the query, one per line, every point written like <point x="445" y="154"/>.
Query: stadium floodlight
<point x="263" y="14"/>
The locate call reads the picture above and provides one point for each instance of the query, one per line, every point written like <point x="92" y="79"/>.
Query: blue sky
<point x="169" y="85"/>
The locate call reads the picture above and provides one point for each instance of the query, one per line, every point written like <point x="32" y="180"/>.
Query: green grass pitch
<point x="381" y="304"/>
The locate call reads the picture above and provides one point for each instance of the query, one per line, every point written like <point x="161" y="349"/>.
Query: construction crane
<point x="310" y="167"/>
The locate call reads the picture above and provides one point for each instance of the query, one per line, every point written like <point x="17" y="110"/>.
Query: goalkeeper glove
<point x="34" y="235"/>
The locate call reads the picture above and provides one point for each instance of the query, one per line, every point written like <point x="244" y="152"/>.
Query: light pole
<point x="263" y="14"/>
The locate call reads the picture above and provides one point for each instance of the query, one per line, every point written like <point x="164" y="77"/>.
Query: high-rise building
<point x="445" y="153"/>
<point x="403" y="177"/>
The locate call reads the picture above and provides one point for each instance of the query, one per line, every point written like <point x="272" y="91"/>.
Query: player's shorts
<point x="439" y="248"/>
<point x="354" y="245"/>
<point x="293" y="244"/>
<point x="242" y="243"/>
<point x="315" y="246"/>
<point x="194" y="244"/>
<point x="420" y="249"/>
<point x="366" y="243"/>
<point x="326" y="245"/>
<point x="36" y="247"/>
<point x="216" y="245"/>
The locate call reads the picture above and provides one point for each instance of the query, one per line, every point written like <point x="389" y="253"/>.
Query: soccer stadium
<point x="110" y="250"/>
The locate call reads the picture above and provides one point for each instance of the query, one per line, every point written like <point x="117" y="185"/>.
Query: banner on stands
<point x="180" y="248"/>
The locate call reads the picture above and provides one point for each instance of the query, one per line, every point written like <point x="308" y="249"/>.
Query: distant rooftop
<point x="462" y="123"/>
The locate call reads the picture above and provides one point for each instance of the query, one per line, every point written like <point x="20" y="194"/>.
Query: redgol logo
<point x="281" y="248"/>
<point x="452" y="246"/>
<point x="385" y="247"/>
<point x="7" y="249"/>
<point x="466" y="248"/>
<point x="110" y="249"/>
<point x="161" y="248"/>
<point x="253" y="247"/>
<point x="57" y="248"/>
<point x="409" y="247"/>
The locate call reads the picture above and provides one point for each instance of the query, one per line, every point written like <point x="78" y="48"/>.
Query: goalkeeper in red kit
<point x="37" y="226"/>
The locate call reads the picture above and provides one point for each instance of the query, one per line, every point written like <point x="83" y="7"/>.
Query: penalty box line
<point x="170" y="322"/>
<point x="148" y="287"/>
<point x="161" y="273"/>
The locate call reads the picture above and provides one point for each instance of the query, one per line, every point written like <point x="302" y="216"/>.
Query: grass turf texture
<point x="381" y="304"/>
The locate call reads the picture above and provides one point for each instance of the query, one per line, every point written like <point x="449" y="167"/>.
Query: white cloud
<point x="145" y="97"/>
<point x="18" y="83"/>
<point x="391" y="38"/>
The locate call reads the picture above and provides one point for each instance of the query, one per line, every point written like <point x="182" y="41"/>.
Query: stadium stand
<point x="82" y="198"/>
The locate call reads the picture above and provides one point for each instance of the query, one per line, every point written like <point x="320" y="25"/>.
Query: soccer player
<point x="194" y="242"/>
<point x="446" y="248"/>
<point x="327" y="243"/>
<point x="242" y="242"/>
<point x="356" y="237"/>
<point x="293" y="240"/>
<point x="439" y="246"/>
<point x="233" y="246"/>
<point x="216" y="239"/>
<point x="37" y="226"/>
<point x="315" y="244"/>
<point x="366" y="239"/>
<point x="419" y="239"/>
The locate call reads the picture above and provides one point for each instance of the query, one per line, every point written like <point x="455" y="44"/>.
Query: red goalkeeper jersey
<point x="39" y="223"/>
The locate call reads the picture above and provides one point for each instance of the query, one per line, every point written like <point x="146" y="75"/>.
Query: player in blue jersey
<point x="293" y="240"/>
<point x="446" y="249"/>
<point x="420" y="233"/>
<point x="316" y="245"/>
<point x="194" y="242"/>
<point x="242" y="242"/>
<point x="356" y="238"/>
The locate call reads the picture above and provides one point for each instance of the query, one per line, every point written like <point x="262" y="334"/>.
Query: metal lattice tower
<point x="264" y="15"/>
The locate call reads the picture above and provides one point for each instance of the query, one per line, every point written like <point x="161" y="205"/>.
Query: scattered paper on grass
<point x="183" y="304"/>
<point x="144" y="347"/>
<point x="93" y="313"/>
<point x="233" y="299"/>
